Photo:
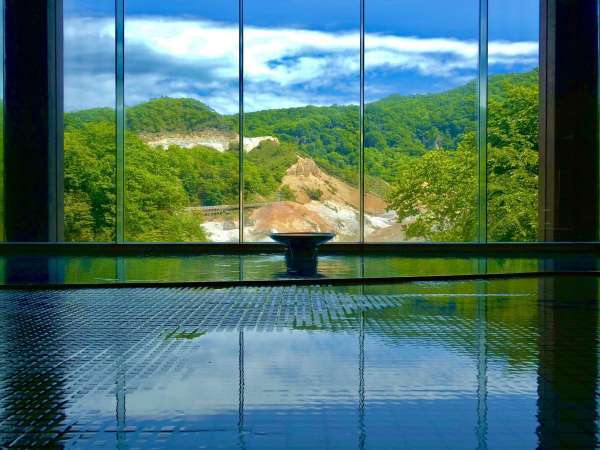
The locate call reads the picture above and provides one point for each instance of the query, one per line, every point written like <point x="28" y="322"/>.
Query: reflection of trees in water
<point x="453" y="324"/>
<point x="558" y="335"/>
<point x="447" y="315"/>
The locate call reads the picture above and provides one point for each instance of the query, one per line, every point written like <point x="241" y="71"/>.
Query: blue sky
<point x="512" y="19"/>
<point x="297" y="51"/>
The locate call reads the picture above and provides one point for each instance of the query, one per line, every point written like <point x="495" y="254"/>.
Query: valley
<point x="336" y="209"/>
<point x="301" y="168"/>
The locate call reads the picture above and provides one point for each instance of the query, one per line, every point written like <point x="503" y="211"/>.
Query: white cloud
<point x="283" y="66"/>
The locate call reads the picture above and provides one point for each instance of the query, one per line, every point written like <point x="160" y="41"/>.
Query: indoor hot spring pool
<point x="476" y="363"/>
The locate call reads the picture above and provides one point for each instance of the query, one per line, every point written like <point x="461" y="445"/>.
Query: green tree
<point x="513" y="163"/>
<point x="89" y="177"/>
<point x="156" y="201"/>
<point x="436" y="194"/>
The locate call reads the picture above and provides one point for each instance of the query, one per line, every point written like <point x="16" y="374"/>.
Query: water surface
<point x="505" y="364"/>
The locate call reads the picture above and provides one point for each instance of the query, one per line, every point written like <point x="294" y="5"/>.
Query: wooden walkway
<point x="217" y="210"/>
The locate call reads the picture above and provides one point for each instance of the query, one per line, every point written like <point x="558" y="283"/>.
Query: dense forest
<point x="420" y="155"/>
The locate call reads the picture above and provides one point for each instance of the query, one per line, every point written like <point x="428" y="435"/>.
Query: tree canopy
<point x="420" y="153"/>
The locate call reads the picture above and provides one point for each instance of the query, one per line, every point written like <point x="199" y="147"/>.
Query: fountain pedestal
<point x="301" y="255"/>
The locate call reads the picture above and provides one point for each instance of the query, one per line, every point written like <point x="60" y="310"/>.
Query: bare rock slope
<point x="322" y="203"/>
<point x="214" y="139"/>
<point x="305" y="176"/>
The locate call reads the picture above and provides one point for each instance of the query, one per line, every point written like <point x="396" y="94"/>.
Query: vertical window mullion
<point x="120" y="117"/>
<point x="56" y="125"/>
<point x="482" y="92"/>
<point x="241" y="120"/>
<point x="361" y="164"/>
<point x="2" y="180"/>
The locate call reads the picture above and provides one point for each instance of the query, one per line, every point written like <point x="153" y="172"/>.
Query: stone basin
<point x="301" y="255"/>
<point x="302" y="241"/>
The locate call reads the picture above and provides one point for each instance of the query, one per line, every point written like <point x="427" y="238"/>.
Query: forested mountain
<point x="175" y="115"/>
<point x="159" y="115"/>
<point x="411" y="142"/>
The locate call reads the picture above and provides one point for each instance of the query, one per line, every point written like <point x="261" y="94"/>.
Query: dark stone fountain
<point x="301" y="255"/>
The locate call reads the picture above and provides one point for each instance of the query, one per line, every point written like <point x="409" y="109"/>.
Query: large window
<point x="447" y="142"/>
<point x="421" y="120"/>
<point x="90" y="127"/>
<point x="181" y="140"/>
<point x="2" y="233"/>
<point x="302" y="122"/>
<point x="513" y="124"/>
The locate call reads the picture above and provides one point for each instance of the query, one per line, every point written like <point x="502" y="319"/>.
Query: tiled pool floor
<point x="506" y="364"/>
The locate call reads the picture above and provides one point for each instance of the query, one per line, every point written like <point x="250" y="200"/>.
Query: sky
<point x="296" y="52"/>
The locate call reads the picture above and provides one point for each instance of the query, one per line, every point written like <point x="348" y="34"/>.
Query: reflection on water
<point x="427" y="365"/>
<point x="270" y="266"/>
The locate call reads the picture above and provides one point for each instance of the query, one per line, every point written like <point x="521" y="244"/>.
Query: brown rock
<point x="393" y="233"/>
<point x="286" y="217"/>
<point x="306" y="175"/>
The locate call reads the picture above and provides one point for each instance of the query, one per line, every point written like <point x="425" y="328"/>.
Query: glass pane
<point x="301" y="96"/>
<point x="182" y="108"/>
<point x="89" y="135"/>
<point x="2" y="234"/>
<point x="421" y="63"/>
<point x="513" y="120"/>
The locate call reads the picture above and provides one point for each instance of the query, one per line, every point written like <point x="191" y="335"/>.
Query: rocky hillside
<point x="320" y="203"/>
<point x="309" y="182"/>
<point x="221" y="141"/>
<point x="301" y="169"/>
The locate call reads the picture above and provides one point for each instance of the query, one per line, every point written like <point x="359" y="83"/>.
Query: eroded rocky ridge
<point x="336" y="209"/>
<point x="215" y="139"/>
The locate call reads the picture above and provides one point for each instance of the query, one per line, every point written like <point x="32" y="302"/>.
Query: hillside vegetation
<point x="420" y="154"/>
